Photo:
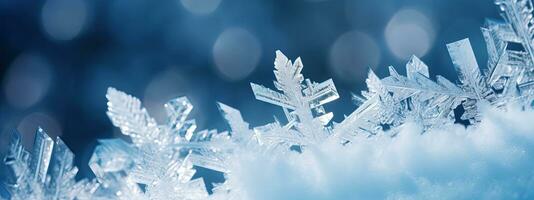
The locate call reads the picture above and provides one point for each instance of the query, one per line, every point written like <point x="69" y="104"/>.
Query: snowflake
<point x="302" y="102"/>
<point x="157" y="165"/>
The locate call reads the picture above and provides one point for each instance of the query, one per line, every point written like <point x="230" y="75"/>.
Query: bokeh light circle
<point x="409" y="32"/>
<point x="352" y="54"/>
<point x="27" y="80"/>
<point x="200" y="7"/>
<point x="165" y="86"/>
<point x="236" y="53"/>
<point x="64" y="19"/>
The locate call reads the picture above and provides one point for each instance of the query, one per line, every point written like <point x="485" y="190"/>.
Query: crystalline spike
<point x="495" y="43"/>
<point x="415" y="65"/>
<point x="60" y="167"/>
<point x="393" y="72"/>
<point x="17" y="159"/>
<point x="270" y="96"/>
<point x="188" y="128"/>
<point x="177" y="110"/>
<point x="41" y="154"/>
<point x="287" y="74"/>
<point x="298" y="65"/>
<point x="373" y="84"/>
<point x="466" y="65"/>
<point x="322" y="93"/>
<point x="16" y="150"/>
<point x="280" y="59"/>
<point x="238" y="126"/>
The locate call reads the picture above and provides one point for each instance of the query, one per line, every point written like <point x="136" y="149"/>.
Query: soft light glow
<point x="27" y="80"/>
<point x="164" y="86"/>
<point x="236" y="53"/>
<point x="409" y="32"/>
<point x="64" y="19"/>
<point x="352" y="54"/>
<point x="200" y="7"/>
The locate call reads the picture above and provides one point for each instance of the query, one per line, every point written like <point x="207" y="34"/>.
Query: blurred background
<point x="57" y="57"/>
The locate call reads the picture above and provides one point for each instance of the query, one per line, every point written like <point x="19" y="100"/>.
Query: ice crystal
<point x="302" y="101"/>
<point x="44" y="173"/>
<point x="156" y="165"/>
<point x="391" y="101"/>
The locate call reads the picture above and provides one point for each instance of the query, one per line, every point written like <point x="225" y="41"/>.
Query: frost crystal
<point x="302" y="102"/>
<point x="157" y="164"/>
<point x="159" y="161"/>
<point x="44" y="173"/>
<point x="508" y="80"/>
<point x="390" y="101"/>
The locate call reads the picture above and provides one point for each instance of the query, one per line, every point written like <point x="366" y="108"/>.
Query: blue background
<point x="57" y="58"/>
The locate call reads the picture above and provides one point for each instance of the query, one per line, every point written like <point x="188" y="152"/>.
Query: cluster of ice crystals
<point x="509" y="79"/>
<point x="45" y="172"/>
<point x="158" y="162"/>
<point x="156" y="165"/>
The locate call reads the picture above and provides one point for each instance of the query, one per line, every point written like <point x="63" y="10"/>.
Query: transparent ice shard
<point x="41" y="154"/>
<point x="416" y="66"/>
<point x="465" y="63"/>
<point x="112" y="156"/>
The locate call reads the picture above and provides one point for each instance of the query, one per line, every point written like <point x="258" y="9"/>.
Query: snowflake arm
<point x="126" y="113"/>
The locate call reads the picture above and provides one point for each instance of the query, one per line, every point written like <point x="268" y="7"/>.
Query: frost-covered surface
<point x="493" y="160"/>
<point x="401" y="142"/>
